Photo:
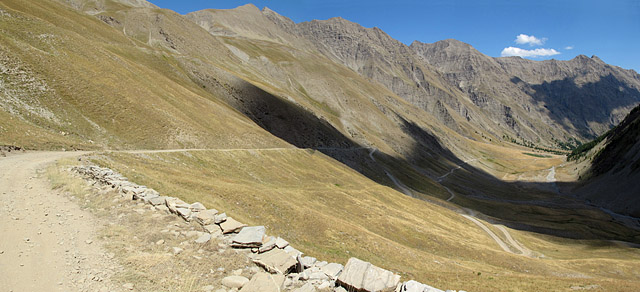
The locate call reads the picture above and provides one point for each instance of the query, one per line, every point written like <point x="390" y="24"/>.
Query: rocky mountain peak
<point x="248" y="8"/>
<point x="278" y="19"/>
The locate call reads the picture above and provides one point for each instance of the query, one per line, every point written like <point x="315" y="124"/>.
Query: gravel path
<point x="48" y="243"/>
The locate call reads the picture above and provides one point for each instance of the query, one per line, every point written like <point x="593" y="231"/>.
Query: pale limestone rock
<point x="249" y="237"/>
<point x="231" y="225"/>
<point x="275" y="261"/>
<point x="264" y="282"/>
<point x="206" y="217"/>
<point x="413" y="286"/>
<point x="363" y="276"/>
<point x="234" y="281"/>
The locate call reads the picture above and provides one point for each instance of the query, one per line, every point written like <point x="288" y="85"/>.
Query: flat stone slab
<point x="281" y="243"/>
<point x="307" y="262"/>
<point x="174" y="203"/>
<point x="213" y="229"/>
<point x="220" y="218"/>
<point x="267" y="244"/>
<point x="197" y="207"/>
<point x="359" y="275"/>
<point x="264" y="282"/>
<point x="413" y="286"/>
<point x="206" y="217"/>
<point x="332" y="270"/>
<point x="276" y="261"/>
<point x="156" y="201"/>
<point x="231" y="225"/>
<point x="184" y="213"/>
<point x="249" y="237"/>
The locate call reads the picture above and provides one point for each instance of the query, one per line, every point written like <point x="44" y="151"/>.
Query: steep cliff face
<point x="612" y="181"/>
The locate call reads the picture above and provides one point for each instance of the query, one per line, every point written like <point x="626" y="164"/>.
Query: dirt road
<point x="47" y="241"/>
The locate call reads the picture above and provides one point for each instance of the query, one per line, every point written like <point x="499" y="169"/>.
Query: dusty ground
<point x="48" y="242"/>
<point x="78" y="237"/>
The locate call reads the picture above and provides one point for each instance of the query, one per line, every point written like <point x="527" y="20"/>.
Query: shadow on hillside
<point x="530" y="206"/>
<point x="596" y="99"/>
<point x="526" y="206"/>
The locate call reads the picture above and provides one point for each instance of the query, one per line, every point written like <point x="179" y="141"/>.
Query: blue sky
<point x="560" y="29"/>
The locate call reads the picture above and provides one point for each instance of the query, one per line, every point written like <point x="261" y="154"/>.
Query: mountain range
<point x="462" y="133"/>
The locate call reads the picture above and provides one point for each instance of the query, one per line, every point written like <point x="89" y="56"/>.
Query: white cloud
<point x="522" y="39"/>
<point x="513" y="51"/>
<point x="568" y="48"/>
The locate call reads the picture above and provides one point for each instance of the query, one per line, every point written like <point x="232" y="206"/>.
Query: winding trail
<point x="523" y="250"/>
<point x="468" y="213"/>
<point x="459" y="166"/>
<point x="497" y="239"/>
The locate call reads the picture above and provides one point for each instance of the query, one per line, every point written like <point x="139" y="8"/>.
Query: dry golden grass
<point x="331" y="212"/>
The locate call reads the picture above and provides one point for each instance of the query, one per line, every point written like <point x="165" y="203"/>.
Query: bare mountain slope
<point x="584" y="96"/>
<point x="612" y="180"/>
<point x="289" y="127"/>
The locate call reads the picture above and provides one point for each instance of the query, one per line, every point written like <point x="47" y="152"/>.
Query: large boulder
<point x="249" y="237"/>
<point x="264" y="282"/>
<point x="413" y="286"/>
<point x="276" y="261"/>
<point x="362" y="276"/>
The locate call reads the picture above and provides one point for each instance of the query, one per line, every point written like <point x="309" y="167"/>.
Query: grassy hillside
<point x="134" y="97"/>
<point x="332" y="212"/>
<point x="148" y="78"/>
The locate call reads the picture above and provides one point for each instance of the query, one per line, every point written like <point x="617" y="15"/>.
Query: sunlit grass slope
<point x="74" y="82"/>
<point x="332" y="212"/>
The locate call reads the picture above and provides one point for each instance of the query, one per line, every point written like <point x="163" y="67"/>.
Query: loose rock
<point x="220" y="218"/>
<point x="281" y="243"/>
<point x="276" y="261"/>
<point x="231" y="225"/>
<point x="234" y="281"/>
<point x="206" y="217"/>
<point x="268" y="244"/>
<point x="363" y="276"/>
<point x="249" y="237"/>
<point x="413" y="286"/>
<point x="264" y="282"/>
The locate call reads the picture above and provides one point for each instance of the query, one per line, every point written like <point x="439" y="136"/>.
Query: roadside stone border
<point x="285" y="267"/>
